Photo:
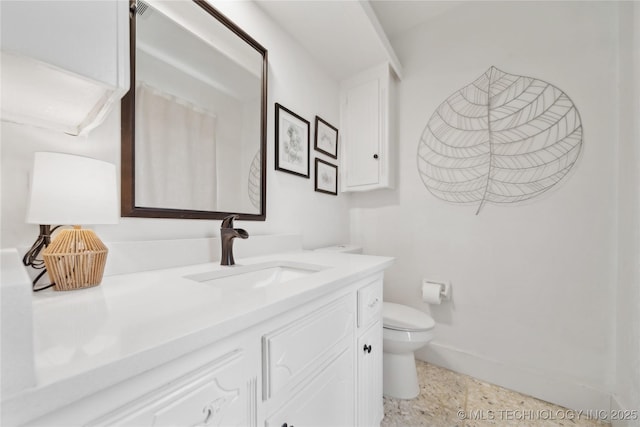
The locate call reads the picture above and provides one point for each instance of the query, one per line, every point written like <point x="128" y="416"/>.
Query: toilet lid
<point x="403" y="318"/>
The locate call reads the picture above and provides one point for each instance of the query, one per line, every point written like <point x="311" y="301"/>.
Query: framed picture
<point x="326" y="138"/>
<point x="292" y="142"/>
<point x="326" y="177"/>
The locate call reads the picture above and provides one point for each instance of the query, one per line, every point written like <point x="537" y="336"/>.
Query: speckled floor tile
<point x="498" y="406"/>
<point x="449" y="399"/>
<point x="441" y="387"/>
<point x="413" y="413"/>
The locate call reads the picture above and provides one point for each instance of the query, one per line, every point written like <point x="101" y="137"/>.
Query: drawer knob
<point x="375" y="156"/>
<point x="367" y="348"/>
<point x="287" y="425"/>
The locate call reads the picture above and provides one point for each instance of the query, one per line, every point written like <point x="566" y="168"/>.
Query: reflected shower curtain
<point x="175" y="152"/>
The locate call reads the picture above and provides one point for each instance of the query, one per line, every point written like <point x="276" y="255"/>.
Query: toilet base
<point x="400" y="377"/>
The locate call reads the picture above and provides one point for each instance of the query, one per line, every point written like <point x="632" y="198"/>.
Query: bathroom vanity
<point x="287" y="339"/>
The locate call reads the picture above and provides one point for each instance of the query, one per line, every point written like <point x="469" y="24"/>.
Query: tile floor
<point x="449" y="399"/>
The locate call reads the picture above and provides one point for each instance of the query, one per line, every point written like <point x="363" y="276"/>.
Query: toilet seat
<point x="400" y="317"/>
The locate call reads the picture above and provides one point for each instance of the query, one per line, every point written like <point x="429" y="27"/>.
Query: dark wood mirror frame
<point x="127" y="162"/>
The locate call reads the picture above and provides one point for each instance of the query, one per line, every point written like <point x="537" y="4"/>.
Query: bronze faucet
<point x="227" y="234"/>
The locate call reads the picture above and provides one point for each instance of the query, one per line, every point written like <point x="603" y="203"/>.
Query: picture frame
<point x="326" y="177"/>
<point x="326" y="138"/>
<point x="292" y="142"/>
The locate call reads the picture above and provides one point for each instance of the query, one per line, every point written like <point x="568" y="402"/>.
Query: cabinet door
<point x="367" y="119"/>
<point x="65" y="64"/>
<point x="362" y="139"/>
<point x="86" y="38"/>
<point x="292" y="351"/>
<point x="327" y="399"/>
<point x="222" y="393"/>
<point x="370" y="405"/>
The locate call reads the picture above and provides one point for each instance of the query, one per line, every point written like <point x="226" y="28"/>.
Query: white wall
<point x="533" y="284"/>
<point x="536" y="285"/>
<point x="626" y="393"/>
<point x="295" y="81"/>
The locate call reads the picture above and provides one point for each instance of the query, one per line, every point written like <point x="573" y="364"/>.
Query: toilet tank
<point x="346" y="248"/>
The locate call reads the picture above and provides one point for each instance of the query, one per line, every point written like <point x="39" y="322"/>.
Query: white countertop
<point x="90" y="339"/>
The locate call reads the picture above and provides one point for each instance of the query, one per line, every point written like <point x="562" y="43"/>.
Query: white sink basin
<point x="256" y="276"/>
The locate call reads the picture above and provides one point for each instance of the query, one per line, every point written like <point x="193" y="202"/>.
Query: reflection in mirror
<point x="194" y="121"/>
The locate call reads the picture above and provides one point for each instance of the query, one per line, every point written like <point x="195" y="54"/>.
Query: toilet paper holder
<point x="445" y="288"/>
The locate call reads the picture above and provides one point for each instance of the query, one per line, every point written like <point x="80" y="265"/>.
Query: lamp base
<point x="75" y="259"/>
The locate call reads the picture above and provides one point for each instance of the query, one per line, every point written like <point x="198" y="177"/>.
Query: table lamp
<point x="73" y="190"/>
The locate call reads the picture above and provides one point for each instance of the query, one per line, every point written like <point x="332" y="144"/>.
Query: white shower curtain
<point x="175" y="152"/>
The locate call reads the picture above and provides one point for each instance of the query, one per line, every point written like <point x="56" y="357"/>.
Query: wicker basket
<point x="75" y="259"/>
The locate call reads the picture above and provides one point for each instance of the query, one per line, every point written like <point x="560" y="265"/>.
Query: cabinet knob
<point x="208" y="413"/>
<point x="367" y="348"/>
<point x="375" y="156"/>
<point x="287" y="425"/>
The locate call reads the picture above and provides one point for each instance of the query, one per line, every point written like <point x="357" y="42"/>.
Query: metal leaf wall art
<point x="255" y="178"/>
<point x="501" y="139"/>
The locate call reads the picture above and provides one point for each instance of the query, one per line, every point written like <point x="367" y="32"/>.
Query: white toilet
<point x="405" y="330"/>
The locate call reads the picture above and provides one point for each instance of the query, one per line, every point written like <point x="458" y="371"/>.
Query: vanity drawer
<point x="290" y="352"/>
<point x="369" y="303"/>
<point x="219" y="393"/>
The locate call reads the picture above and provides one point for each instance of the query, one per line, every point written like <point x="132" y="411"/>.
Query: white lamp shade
<point x="72" y="190"/>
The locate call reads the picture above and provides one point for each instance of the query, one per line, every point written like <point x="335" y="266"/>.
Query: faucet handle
<point x="227" y="222"/>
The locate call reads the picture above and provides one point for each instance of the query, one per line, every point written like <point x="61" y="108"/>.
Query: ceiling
<point x="397" y="16"/>
<point x="347" y="36"/>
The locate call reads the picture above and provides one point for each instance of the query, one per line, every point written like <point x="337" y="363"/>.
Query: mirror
<point x="194" y="120"/>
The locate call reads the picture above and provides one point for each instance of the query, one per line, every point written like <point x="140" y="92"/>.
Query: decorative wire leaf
<point x="255" y="179"/>
<point x="501" y="139"/>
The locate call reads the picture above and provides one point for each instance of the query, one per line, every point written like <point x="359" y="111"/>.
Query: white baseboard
<point x="625" y="416"/>
<point x="544" y="386"/>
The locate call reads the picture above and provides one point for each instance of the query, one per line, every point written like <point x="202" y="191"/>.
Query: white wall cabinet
<point x="316" y="365"/>
<point x="64" y="63"/>
<point x="368" y="130"/>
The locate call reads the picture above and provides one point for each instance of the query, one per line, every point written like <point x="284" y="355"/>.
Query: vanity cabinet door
<point x="327" y="399"/>
<point x="369" y="382"/>
<point x="292" y="352"/>
<point x="369" y="351"/>
<point x="222" y="393"/>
